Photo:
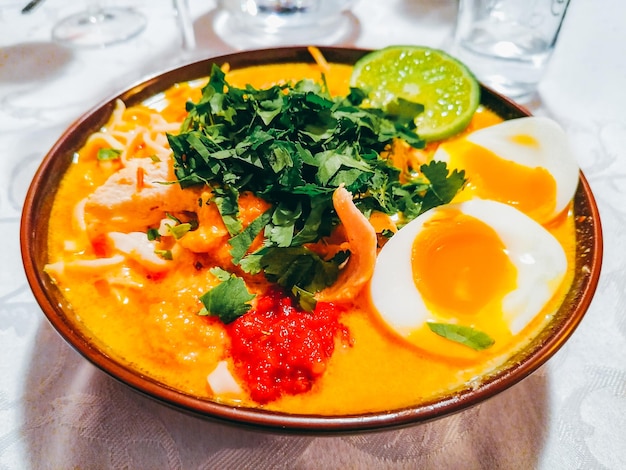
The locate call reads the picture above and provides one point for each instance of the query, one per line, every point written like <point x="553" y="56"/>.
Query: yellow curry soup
<point x="149" y="318"/>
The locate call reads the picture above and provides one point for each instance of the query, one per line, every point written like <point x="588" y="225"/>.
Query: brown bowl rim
<point x="34" y="253"/>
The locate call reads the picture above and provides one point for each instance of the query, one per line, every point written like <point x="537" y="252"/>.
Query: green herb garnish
<point x="153" y="234"/>
<point x="293" y="145"/>
<point x="108" y="154"/>
<point x="298" y="269"/>
<point x="229" y="299"/>
<point x="179" y="231"/>
<point x="165" y="254"/>
<point x="464" y="335"/>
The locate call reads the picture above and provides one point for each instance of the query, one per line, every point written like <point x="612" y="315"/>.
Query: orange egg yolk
<point x="460" y="265"/>
<point x="531" y="190"/>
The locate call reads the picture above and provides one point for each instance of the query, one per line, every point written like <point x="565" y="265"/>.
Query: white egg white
<point x="539" y="258"/>
<point x="552" y="152"/>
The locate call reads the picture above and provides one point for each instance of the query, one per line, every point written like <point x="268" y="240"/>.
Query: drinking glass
<point x="98" y="26"/>
<point x="507" y="43"/>
<point x="254" y="23"/>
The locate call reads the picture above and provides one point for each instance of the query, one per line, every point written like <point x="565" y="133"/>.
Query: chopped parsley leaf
<point x="229" y="299"/>
<point x="293" y="145"/>
<point x="464" y="335"/>
<point x="108" y="154"/>
<point x="179" y="231"/>
<point x="153" y="234"/>
<point x="165" y="254"/>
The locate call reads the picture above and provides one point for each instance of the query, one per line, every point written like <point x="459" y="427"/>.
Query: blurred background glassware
<point x="30" y="6"/>
<point x="99" y="26"/>
<point x="185" y="24"/>
<point x="266" y="23"/>
<point x="507" y="43"/>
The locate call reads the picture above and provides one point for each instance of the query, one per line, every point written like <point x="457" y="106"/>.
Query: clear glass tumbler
<point x="507" y="43"/>
<point x="255" y="23"/>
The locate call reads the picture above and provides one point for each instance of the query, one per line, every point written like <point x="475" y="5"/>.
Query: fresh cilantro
<point x="298" y="266"/>
<point x="442" y="185"/>
<point x="179" y="228"/>
<point x="283" y="224"/>
<point x="165" y="254"/>
<point x="297" y="269"/>
<point x="153" y="234"/>
<point x="305" y="299"/>
<point x="220" y="274"/>
<point x="241" y="242"/>
<point x="179" y="231"/>
<point x="293" y="145"/>
<point x="229" y="299"/>
<point x="464" y="335"/>
<point x="290" y="143"/>
<point x="226" y="201"/>
<point x="404" y="111"/>
<point x="108" y="154"/>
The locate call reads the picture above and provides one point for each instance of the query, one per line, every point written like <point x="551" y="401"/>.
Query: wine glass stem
<point x="94" y="10"/>
<point x="185" y="23"/>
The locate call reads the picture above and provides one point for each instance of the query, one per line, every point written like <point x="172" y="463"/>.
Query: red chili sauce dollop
<point x="280" y="349"/>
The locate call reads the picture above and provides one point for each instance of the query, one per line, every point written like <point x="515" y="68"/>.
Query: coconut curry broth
<point x="151" y="321"/>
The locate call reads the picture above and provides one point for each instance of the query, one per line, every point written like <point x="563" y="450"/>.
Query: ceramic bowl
<point x="35" y="255"/>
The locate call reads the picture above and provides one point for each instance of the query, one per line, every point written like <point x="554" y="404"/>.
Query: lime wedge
<point x="448" y="90"/>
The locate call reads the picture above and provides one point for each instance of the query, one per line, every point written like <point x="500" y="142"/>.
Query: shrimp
<point x="362" y="242"/>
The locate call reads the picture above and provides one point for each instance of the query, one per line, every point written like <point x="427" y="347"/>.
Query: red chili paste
<point x="279" y="349"/>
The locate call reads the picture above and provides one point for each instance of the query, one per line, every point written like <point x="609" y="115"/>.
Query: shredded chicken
<point x="221" y="380"/>
<point x="136" y="197"/>
<point x="87" y="266"/>
<point x="136" y="246"/>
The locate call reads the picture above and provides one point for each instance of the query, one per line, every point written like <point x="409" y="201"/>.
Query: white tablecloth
<point x="58" y="411"/>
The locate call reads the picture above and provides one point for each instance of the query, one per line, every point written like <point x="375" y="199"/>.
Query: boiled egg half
<point x="526" y="163"/>
<point x="479" y="264"/>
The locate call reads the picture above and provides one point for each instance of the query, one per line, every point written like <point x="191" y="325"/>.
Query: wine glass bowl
<point x="98" y="26"/>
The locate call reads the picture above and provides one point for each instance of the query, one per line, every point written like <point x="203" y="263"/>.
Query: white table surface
<point x="58" y="411"/>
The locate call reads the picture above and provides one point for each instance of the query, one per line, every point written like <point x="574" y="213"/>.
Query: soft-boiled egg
<point x="479" y="264"/>
<point x="524" y="162"/>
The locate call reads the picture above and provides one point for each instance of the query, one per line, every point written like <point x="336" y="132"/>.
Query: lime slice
<point x="448" y="90"/>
